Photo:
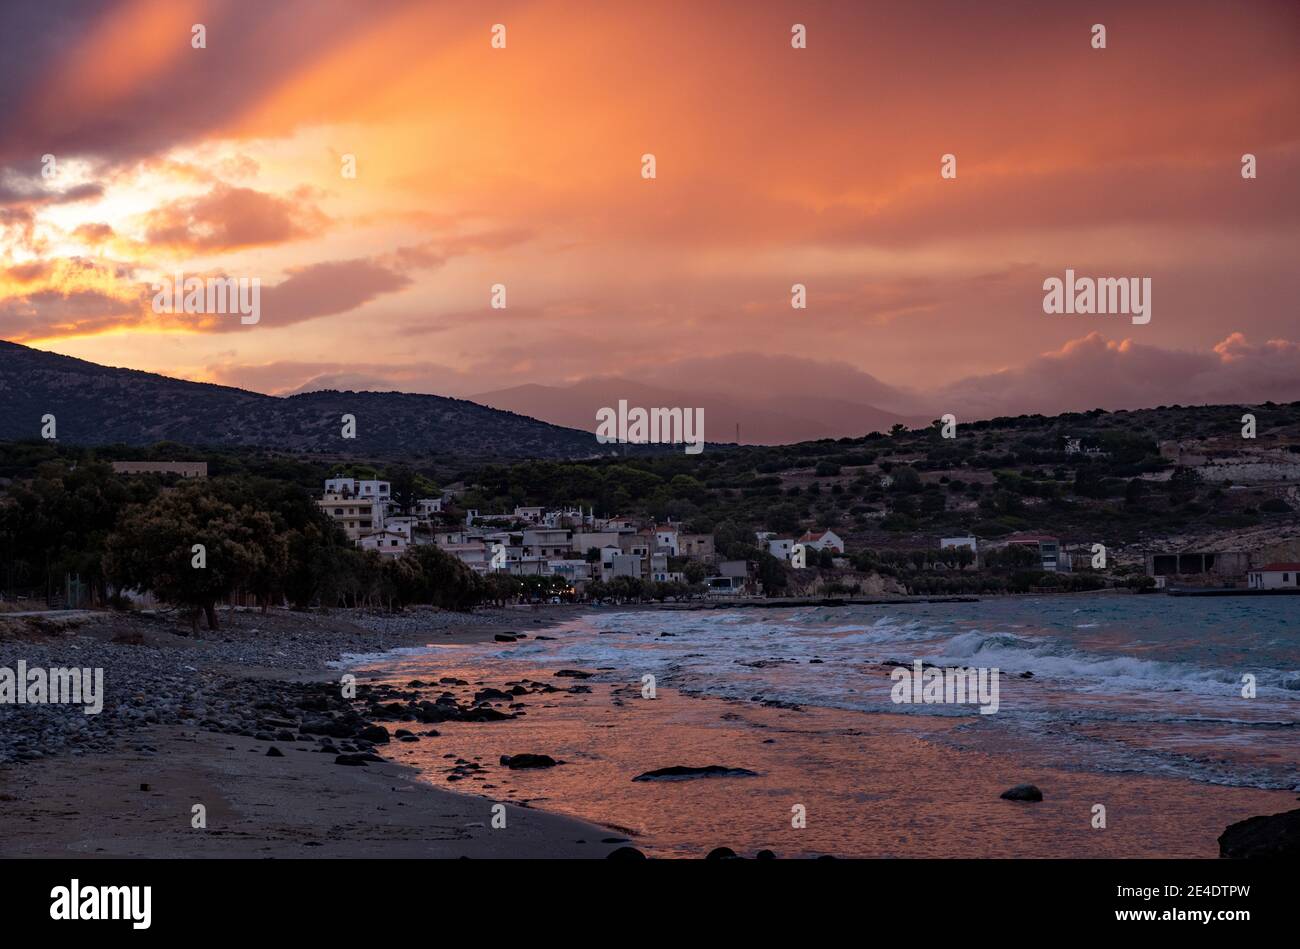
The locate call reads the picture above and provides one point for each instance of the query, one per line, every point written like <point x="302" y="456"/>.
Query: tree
<point x="627" y="589"/>
<point x="447" y="581"/>
<point x="154" y="548"/>
<point x="501" y="588"/>
<point x="771" y="574"/>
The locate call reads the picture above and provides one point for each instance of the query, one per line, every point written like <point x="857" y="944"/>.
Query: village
<point x="580" y="548"/>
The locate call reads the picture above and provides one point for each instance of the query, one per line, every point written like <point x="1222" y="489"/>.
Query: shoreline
<point x="89" y="802"/>
<point x="137" y="798"/>
<point x="872" y="785"/>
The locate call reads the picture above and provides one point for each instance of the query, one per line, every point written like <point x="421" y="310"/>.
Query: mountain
<point x="100" y="405"/>
<point x="765" y="418"/>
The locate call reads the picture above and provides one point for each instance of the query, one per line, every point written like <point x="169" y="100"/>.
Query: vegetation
<point x="196" y="543"/>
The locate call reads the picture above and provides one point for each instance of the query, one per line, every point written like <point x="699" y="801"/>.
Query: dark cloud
<point x="50" y="103"/>
<point x="327" y="288"/>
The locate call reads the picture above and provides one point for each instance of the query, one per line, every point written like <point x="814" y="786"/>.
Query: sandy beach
<point x="247" y="723"/>
<point x="136" y="799"/>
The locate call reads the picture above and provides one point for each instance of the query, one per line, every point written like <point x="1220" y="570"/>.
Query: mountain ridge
<point x="99" y="405"/>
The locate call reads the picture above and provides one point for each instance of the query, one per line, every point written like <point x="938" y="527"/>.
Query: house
<point x="533" y="515"/>
<point x="351" y="487"/>
<point x="355" y="515"/>
<point x="1225" y="565"/>
<point x="821" y="540"/>
<point x="403" y="524"/>
<point x="572" y="518"/>
<point x="577" y="572"/>
<point x="475" y="553"/>
<point x="622" y="565"/>
<point x="780" y="547"/>
<point x="1275" y="576"/>
<point x="666" y="538"/>
<point x="637" y="544"/>
<point x="529" y="567"/>
<point x="583" y="541"/>
<point x="427" y="507"/>
<point x="724" y="586"/>
<point x="549" y="543"/>
<point x="1047" y="548"/>
<point x="389" y="543"/>
<point x="659" y="571"/>
<point x="619" y="524"/>
<point x="697" y="546"/>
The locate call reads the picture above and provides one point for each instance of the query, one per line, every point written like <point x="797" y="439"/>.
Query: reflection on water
<point x="1127" y="725"/>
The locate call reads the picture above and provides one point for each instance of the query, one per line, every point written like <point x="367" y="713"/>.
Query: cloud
<point x="1093" y="372"/>
<point x="114" y="83"/>
<point x="54" y="312"/>
<point x="228" y="218"/>
<point x="327" y="288"/>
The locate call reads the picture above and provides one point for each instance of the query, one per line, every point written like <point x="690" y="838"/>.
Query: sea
<point x="1135" y="696"/>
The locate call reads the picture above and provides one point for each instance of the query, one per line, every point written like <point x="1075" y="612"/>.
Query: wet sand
<point x="880" y="785"/>
<point x="301" y="805"/>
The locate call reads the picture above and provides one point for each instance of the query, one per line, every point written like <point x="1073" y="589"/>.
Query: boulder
<point x="625" y="853"/>
<point x="515" y="762"/>
<point x="1276" y="835"/>
<point x="1022" y="792"/>
<point x="683" y="772"/>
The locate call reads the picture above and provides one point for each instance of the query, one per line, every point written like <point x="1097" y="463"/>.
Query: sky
<point x="479" y="165"/>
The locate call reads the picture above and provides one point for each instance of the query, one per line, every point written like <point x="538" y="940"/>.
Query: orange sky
<point x="522" y="166"/>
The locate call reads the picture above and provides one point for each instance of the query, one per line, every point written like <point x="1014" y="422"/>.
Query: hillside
<point x="1173" y="477"/>
<point x="98" y="405"/>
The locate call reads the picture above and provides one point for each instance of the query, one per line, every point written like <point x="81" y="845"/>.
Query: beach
<point x="193" y="722"/>
<point x="130" y="789"/>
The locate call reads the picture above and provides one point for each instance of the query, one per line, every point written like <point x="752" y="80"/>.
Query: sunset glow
<point x="521" y="166"/>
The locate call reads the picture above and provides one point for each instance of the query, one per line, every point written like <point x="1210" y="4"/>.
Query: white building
<point x="666" y="539"/>
<point x="355" y="515"/>
<point x="780" y="547"/>
<point x="822" y="540"/>
<point x="1274" y="576"/>
<point x="546" y="543"/>
<point x="351" y="487"/>
<point x="622" y="565"/>
<point x="389" y="543"/>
